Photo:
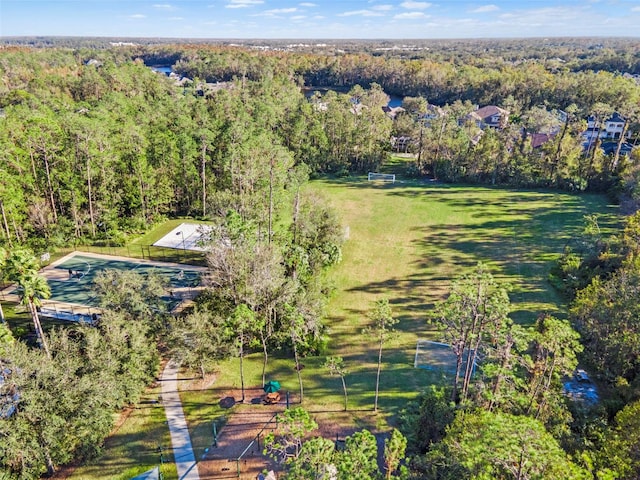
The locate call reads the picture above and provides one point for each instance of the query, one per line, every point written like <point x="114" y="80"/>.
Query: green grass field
<point x="406" y="242"/>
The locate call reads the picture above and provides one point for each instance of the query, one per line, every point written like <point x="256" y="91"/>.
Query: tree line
<point x="93" y="151"/>
<point x="95" y="145"/>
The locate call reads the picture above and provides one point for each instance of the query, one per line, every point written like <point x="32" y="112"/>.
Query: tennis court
<point x="71" y="281"/>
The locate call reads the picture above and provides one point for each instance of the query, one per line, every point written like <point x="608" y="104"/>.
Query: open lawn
<point x="406" y="242"/>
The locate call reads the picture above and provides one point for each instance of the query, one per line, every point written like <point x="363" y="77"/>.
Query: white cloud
<point x="363" y="13"/>
<point x="411" y="5"/>
<point x="298" y="17"/>
<point x="552" y="19"/>
<point x="382" y="8"/>
<point x="410" y="16"/>
<point x="485" y="9"/>
<point x="635" y="9"/>
<point x="308" y="4"/>
<point x="163" y="6"/>
<point x="137" y="15"/>
<point x="243" y="3"/>
<point x="176" y="18"/>
<point x="276" y="11"/>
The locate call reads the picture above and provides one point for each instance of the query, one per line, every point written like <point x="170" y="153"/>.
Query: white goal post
<point x="384" y="177"/>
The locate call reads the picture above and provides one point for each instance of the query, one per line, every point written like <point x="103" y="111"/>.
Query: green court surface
<point x="73" y="281"/>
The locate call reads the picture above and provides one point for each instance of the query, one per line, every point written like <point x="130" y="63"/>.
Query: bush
<point x="425" y="421"/>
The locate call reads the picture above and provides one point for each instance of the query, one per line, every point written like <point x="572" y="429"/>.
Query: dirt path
<point x="250" y="419"/>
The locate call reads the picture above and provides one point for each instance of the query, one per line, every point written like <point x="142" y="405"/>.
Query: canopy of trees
<point x="95" y="146"/>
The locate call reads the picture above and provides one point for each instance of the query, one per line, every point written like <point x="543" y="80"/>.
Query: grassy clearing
<point x="407" y="241"/>
<point x="201" y="407"/>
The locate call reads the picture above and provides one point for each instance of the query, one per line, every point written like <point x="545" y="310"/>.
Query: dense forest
<point x="96" y="147"/>
<point x="79" y="122"/>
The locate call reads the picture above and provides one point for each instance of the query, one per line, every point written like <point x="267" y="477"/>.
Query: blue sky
<point x="320" y="19"/>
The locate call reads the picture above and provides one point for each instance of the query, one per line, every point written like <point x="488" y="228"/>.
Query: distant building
<point x="402" y="144"/>
<point x="490" y="117"/>
<point x="433" y="113"/>
<point x="539" y="139"/>
<point x="611" y="128"/>
<point x="609" y="133"/>
<point x="9" y="397"/>
<point x="392" y="112"/>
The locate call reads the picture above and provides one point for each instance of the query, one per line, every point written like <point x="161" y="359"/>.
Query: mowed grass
<point x="407" y="242"/>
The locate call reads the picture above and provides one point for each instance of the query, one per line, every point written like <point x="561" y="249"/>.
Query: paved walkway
<point x="180" y="440"/>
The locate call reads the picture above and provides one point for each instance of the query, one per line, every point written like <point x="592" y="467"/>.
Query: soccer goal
<point x="437" y="356"/>
<point x="382" y="177"/>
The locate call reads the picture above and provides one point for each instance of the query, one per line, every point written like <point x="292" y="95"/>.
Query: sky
<point x="320" y="19"/>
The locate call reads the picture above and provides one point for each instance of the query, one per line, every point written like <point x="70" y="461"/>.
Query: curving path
<point x="180" y="440"/>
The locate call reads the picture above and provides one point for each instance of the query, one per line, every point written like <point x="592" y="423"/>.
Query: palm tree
<point x="35" y="288"/>
<point x="21" y="266"/>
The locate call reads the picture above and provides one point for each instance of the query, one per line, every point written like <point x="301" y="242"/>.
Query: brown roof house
<point x="539" y="139"/>
<point x="392" y="112"/>
<point x="490" y="117"/>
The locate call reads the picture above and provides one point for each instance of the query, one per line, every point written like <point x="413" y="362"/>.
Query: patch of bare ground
<point x="340" y="424"/>
<point x="242" y="437"/>
<point x="251" y="420"/>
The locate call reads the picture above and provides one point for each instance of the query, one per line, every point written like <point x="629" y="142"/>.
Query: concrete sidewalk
<point x="180" y="440"/>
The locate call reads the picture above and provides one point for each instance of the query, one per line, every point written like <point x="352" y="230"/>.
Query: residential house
<point x="539" y="139"/>
<point x="432" y="113"/>
<point x="611" y="128"/>
<point x="402" y="144"/>
<point x="609" y="133"/>
<point x="490" y="117"/>
<point x="392" y="112"/>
